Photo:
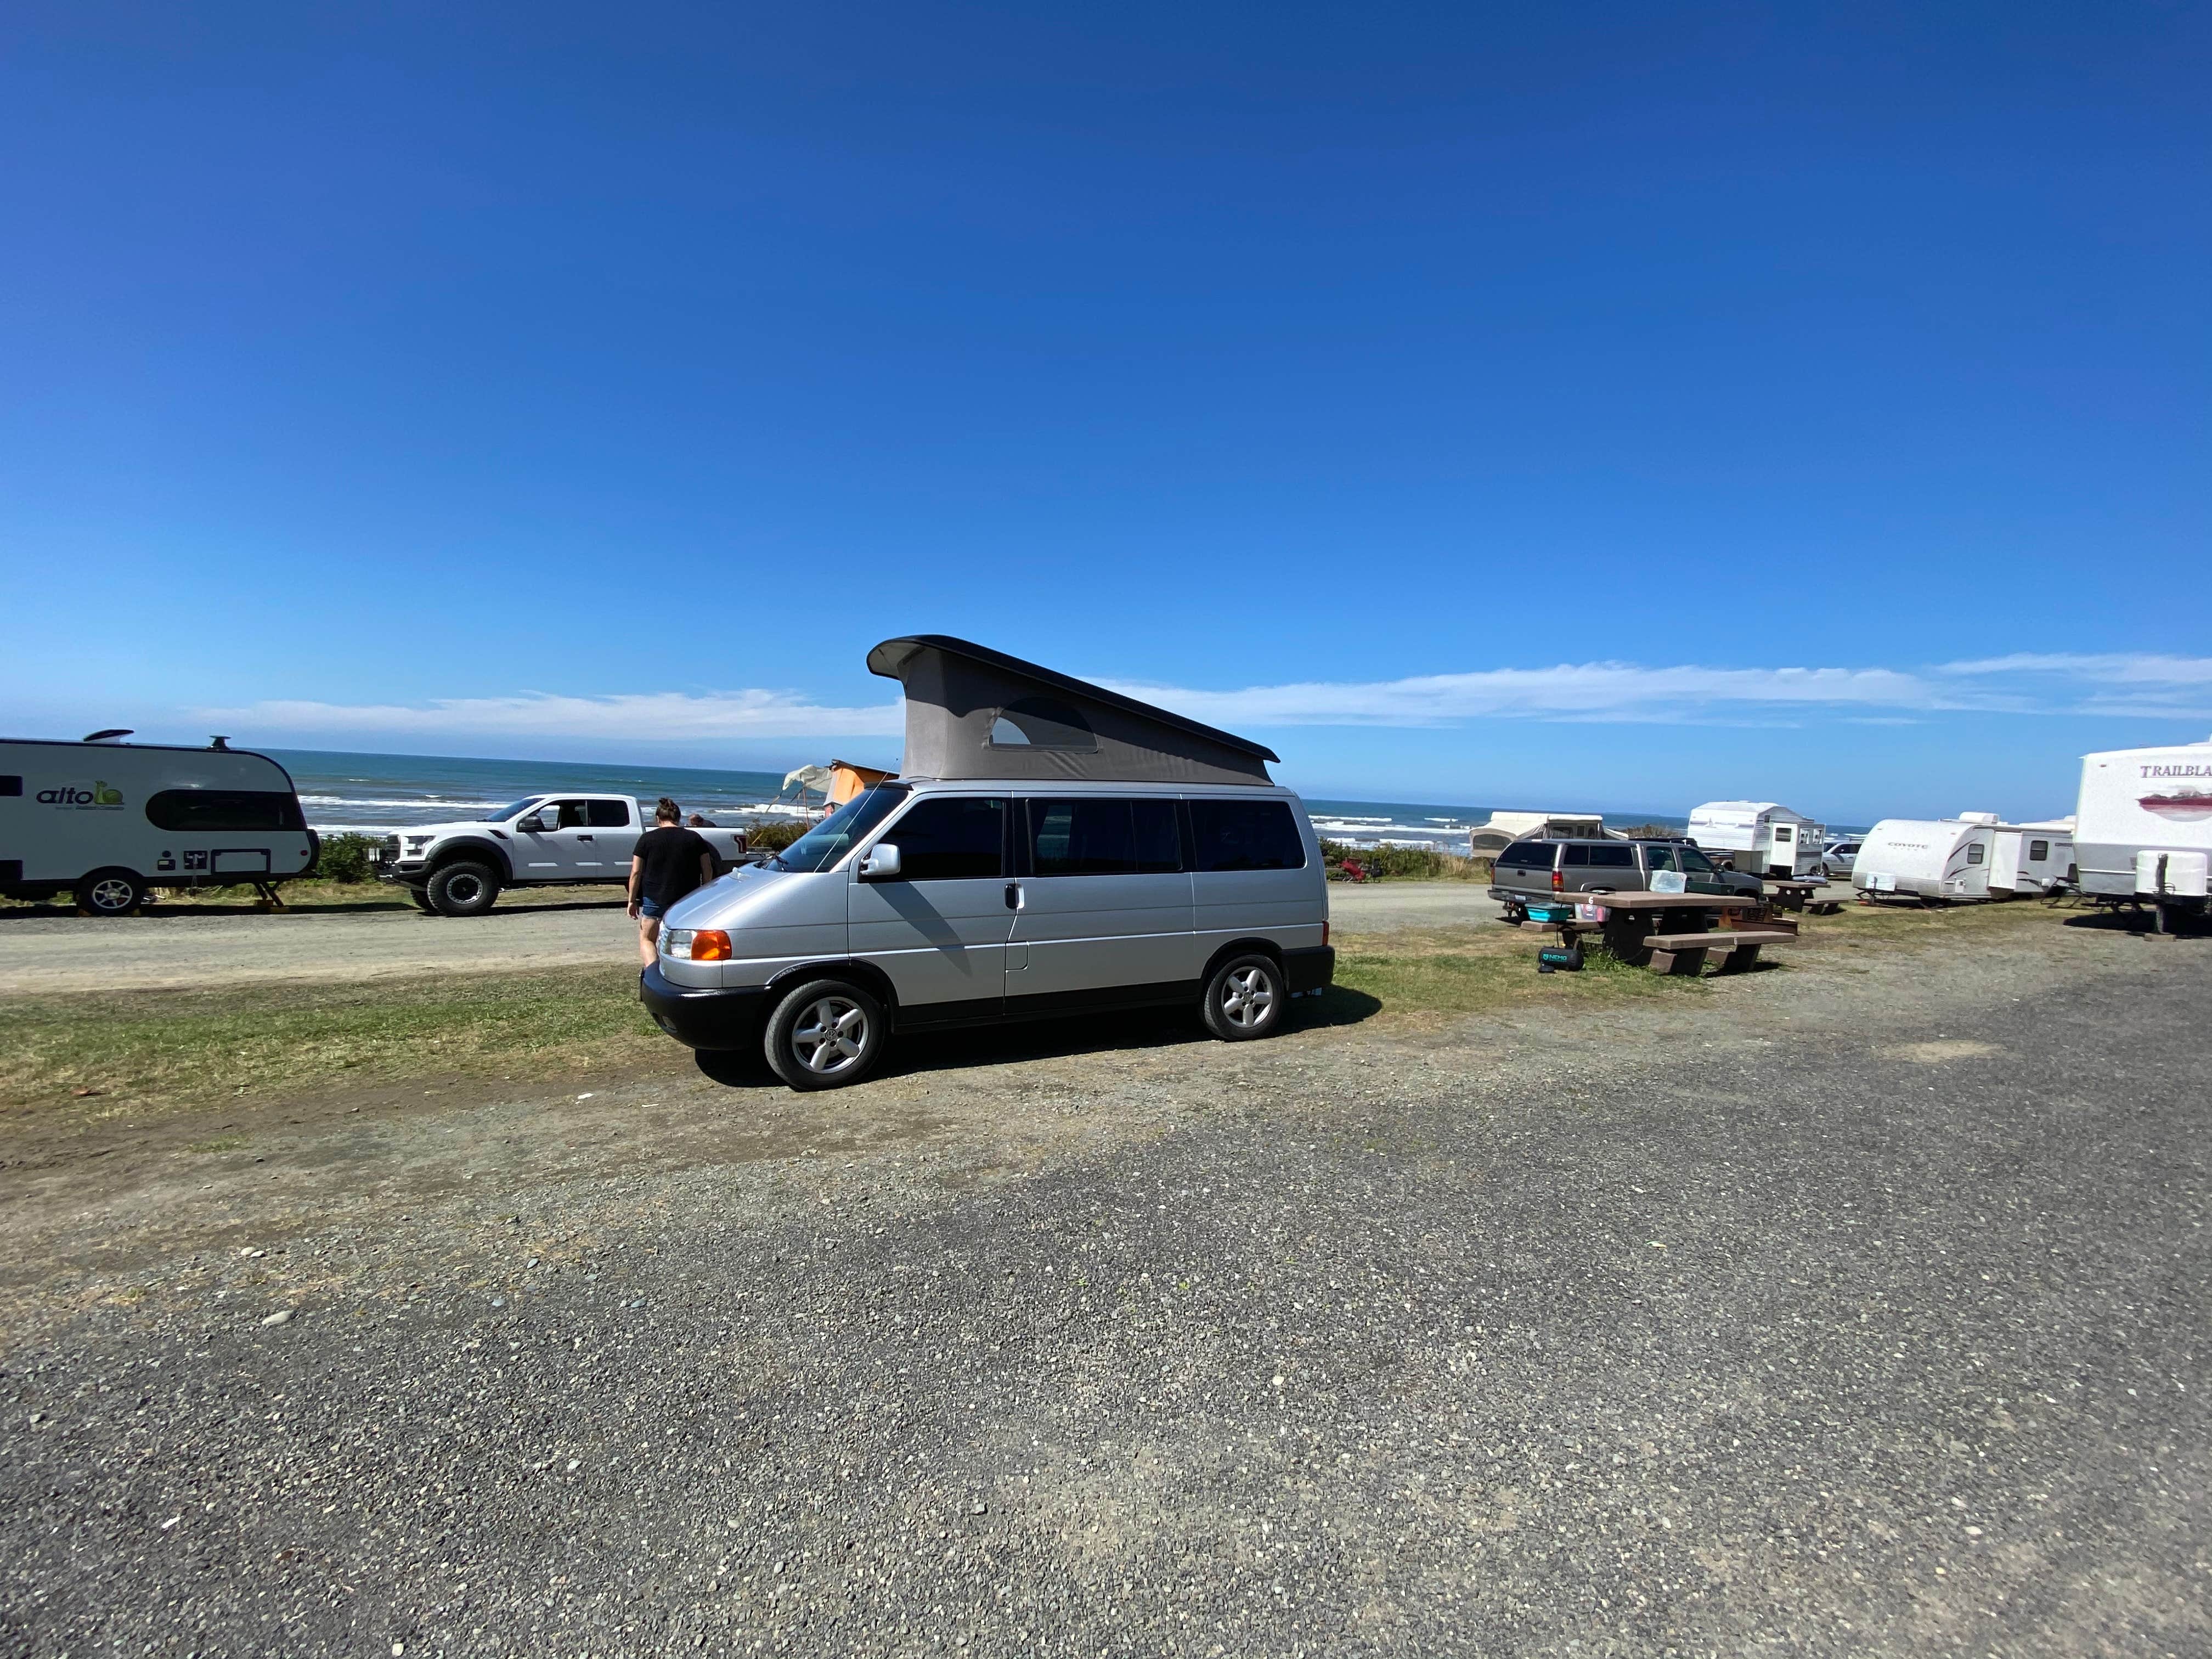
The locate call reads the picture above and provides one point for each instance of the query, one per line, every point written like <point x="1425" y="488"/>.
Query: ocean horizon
<point x="365" y="793"/>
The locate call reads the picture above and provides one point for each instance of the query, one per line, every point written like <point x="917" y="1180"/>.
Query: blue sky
<point x="1607" y="405"/>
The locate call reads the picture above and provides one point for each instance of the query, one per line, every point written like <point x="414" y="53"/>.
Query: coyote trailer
<point x="2143" y="832"/>
<point x="1760" y="838"/>
<point x="107" y="821"/>
<point x="1927" y="858"/>
<point x="2031" y="858"/>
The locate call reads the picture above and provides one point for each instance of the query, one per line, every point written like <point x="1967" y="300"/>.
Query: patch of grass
<point x="1413" y="863"/>
<point x="157" y="1046"/>
<point x="1463" y="972"/>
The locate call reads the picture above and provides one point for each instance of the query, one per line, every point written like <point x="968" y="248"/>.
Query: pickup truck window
<point x="575" y="815"/>
<point x="1660" y="858"/>
<point x="1619" y="856"/>
<point x="1694" y="861"/>
<point x="609" y="814"/>
<point x="1536" y="854"/>
<point x="514" y="810"/>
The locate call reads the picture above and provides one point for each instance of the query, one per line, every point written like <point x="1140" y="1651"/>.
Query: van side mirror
<point x="881" y="863"/>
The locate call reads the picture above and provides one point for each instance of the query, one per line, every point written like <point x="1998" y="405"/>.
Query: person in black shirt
<point x="669" y="862"/>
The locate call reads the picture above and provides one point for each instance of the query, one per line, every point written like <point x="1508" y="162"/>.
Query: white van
<point x="1929" y="858"/>
<point x="107" y="821"/>
<point x="1070" y="849"/>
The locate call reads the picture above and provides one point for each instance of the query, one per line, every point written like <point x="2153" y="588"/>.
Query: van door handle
<point x="1013" y="895"/>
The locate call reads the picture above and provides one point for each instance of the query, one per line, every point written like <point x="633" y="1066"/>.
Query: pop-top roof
<point x="972" y="712"/>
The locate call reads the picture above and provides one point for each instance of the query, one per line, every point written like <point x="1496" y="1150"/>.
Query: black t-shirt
<point x="671" y="862"/>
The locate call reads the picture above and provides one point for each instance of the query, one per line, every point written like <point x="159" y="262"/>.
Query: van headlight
<point x="694" y="944"/>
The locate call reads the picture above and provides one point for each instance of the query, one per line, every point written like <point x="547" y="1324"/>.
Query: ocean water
<point x="377" y="793"/>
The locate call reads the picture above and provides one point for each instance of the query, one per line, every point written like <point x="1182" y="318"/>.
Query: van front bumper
<point x="712" y="1018"/>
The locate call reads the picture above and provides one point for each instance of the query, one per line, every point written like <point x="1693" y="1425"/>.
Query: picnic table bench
<point x="1666" y="932"/>
<point x="1793" y="894"/>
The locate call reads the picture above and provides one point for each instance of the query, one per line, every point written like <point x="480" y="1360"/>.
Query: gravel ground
<point x="1855" y="1308"/>
<point x="181" y="947"/>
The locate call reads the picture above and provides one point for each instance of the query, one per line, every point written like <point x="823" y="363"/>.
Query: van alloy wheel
<point x="1245" y="999"/>
<point x="824" y="1035"/>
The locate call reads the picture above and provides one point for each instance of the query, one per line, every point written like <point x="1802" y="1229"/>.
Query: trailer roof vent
<point x="218" y="743"/>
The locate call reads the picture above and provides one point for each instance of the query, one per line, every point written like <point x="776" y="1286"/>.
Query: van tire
<point x="826" y="1033"/>
<point x="463" y="889"/>
<point x="1245" y="999"/>
<point x="111" y="892"/>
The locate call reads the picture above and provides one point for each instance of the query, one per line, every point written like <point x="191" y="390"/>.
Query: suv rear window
<point x="1247" y="834"/>
<point x="1537" y="854"/>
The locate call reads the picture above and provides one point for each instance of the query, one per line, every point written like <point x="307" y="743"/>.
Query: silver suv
<point x="1540" y="869"/>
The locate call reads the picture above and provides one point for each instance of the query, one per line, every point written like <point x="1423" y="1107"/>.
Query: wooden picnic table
<point x="1794" y="893"/>
<point x="1666" y="931"/>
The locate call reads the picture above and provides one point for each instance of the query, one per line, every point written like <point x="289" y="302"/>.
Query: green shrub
<point x="774" y="837"/>
<point x="1412" y="863"/>
<point x="346" y="858"/>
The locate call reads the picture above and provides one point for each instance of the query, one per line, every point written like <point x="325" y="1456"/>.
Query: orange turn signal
<point x="710" y="944"/>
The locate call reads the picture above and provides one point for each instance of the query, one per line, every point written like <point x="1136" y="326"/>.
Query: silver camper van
<point x="107" y="820"/>
<point x="1051" y="848"/>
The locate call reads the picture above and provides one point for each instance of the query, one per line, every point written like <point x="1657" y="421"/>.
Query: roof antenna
<point x="106" y="736"/>
<point x="218" y="743"/>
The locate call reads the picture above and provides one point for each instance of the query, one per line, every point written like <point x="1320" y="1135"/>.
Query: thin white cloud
<point x="1572" y="693"/>
<point x="643" y="716"/>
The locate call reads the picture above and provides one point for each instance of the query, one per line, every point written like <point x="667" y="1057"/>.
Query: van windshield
<point x="832" y="839"/>
<point x="513" y="812"/>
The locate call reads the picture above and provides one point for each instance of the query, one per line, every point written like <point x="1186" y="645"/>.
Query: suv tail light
<point x="1559" y="881"/>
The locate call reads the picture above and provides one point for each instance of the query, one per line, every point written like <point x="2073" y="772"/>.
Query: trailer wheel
<point x="463" y="889"/>
<point x="111" y="892"/>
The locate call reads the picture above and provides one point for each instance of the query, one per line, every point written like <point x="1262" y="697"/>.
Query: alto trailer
<point x="2142" y="831"/>
<point x="1945" y="859"/>
<point x="107" y="821"/>
<point x="1760" y="837"/>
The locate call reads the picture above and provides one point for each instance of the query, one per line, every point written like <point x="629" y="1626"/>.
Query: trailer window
<point x="2038" y="851"/>
<point x="11" y="785"/>
<point x="1974" y="853"/>
<point x="223" y="811"/>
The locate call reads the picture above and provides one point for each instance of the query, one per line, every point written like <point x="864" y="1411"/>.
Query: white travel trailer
<point x="2030" y="858"/>
<point x="2143" y="829"/>
<point x="1929" y="858"/>
<point x="1760" y="837"/>
<point x="107" y="820"/>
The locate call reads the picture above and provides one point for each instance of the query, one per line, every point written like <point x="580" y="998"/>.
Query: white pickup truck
<point x="540" y="840"/>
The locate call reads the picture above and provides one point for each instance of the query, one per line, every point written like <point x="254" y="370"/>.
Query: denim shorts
<point x="652" y="909"/>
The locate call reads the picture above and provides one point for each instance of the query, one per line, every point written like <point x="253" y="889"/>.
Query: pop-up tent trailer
<point x="1931" y="858"/>
<point x="972" y="712"/>
<point x="2143" y="828"/>
<point x="1488" y="839"/>
<point x="1760" y="837"/>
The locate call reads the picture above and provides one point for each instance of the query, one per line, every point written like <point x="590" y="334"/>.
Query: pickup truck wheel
<point x="826" y="1033"/>
<point x="420" y="899"/>
<point x="111" y="892"/>
<point x="463" y="889"/>
<point x="1245" y="999"/>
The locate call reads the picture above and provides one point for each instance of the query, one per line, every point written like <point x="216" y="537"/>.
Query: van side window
<point x="2038" y="851"/>
<point x="1974" y="853"/>
<point x="1098" y="835"/>
<point x="223" y="811"/>
<point x="952" y="838"/>
<point x="609" y="814"/>
<point x="1537" y="854"/>
<point x="1615" y="855"/>
<point x="1247" y="834"/>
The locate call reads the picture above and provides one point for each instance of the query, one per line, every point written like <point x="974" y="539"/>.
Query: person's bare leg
<point x="648" y="932"/>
